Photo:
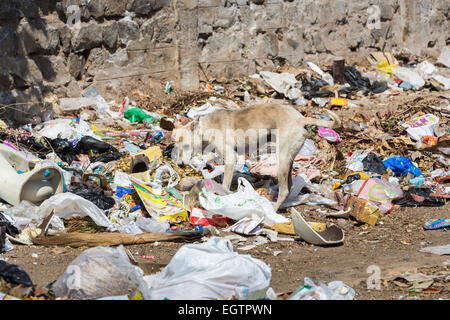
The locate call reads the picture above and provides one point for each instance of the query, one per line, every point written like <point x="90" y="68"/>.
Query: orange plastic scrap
<point x="429" y="140"/>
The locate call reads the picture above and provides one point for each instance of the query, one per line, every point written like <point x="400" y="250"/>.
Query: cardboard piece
<point x="362" y="210"/>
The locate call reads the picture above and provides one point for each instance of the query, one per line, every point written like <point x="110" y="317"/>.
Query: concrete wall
<point x="121" y="42"/>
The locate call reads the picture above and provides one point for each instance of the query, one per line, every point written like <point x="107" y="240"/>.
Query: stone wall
<point x="119" y="43"/>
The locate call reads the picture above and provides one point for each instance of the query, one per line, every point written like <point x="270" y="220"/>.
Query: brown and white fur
<point x="286" y="120"/>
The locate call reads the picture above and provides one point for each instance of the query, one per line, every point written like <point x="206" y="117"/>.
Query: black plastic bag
<point x="373" y="164"/>
<point x="29" y="143"/>
<point x="14" y="275"/>
<point x="108" y="157"/>
<point x="378" y="87"/>
<point x="346" y="91"/>
<point x="312" y="89"/>
<point x="88" y="144"/>
<point x="64" y="149"/>
<point x="353" y="177"/>
<point x="96" y="197"/>
<point x="355" y="79"/>
<point x="10" y="229"/>
<point x="419" y="197"/>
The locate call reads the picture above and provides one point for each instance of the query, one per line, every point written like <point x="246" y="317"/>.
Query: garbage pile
<point x="102" y="175"/>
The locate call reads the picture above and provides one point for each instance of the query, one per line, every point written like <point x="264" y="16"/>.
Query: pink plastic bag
<point x="329" y="134"/>
<point x="380" y="193"/>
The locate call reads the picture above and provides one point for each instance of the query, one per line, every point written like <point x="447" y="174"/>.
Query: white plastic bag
<point x="410" y="76"/>
<point x="66" y="205"/>
<point x="211" y="271"/>
<point x="152" y="225"/>
<point x="99" y="272"/>
<point x="335" y="290"/>
<point x="426" y="69"/>
<point x="284" y="83"/>
<point x="65" y="129"/>
<point x="308" y="149"/>
<point x="243" y="203"/>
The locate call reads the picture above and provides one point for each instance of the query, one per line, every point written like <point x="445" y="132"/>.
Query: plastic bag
<point x="14" y="275"/>
<point x="335" y="290"/>
<point x="66" y="205"/>
<point x="65" y="129"/>
<point x="211" y="271"/>
<point x="308" y="149"/>
<point x="378" y="192"/>
<point x="99" y="272"/>
<point x="203" y="110"/>
<point x="284" y="83"/>
<point x="241" y="204"/>
<point x="401" y="166"/>
<point x="89" y="144"/>
<point x="329" y="134"/>
<point x="137" y="115"/>
<point x="97" y="198"/>
<point x="8" y="223"/>
<point x="420" y="197"/>
<point x="410" y="76"/>
<point x="372" y="163"/>
<point x="354" y="78"/>
<point x="426" y="69"/>
<point x="354" y="162"/>
<point x="152" y="225"/>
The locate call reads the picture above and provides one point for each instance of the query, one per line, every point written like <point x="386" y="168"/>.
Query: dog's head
<point x="183" y="139"/>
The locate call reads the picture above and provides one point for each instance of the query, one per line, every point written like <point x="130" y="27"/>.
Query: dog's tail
<point x="334" y="123"/>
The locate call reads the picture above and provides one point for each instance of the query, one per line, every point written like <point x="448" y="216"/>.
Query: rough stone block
<point x="88" y="36"/>
<point x="76" y="63"/>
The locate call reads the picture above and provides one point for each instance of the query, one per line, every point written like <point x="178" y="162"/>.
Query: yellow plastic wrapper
<point x="151" y="153"/>
<point x="384" y="66"/>
<point x="159" y="203"/>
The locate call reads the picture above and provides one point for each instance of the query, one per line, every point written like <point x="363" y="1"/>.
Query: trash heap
<point x="101" y="175"/>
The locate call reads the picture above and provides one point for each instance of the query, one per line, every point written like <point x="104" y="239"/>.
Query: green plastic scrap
<point x="137" y="115"/>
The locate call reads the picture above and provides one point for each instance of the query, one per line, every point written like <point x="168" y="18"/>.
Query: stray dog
<point x="217" y="128"/>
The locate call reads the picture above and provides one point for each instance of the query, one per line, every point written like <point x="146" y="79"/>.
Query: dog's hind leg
<point x="290" y="150"/>
<point x="230" y="162"/>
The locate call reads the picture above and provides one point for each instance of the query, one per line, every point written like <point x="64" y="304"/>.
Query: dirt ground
<point x="393" y="245"/>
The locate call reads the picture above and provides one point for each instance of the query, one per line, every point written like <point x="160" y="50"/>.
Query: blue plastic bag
<point x="401" y="166"/>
